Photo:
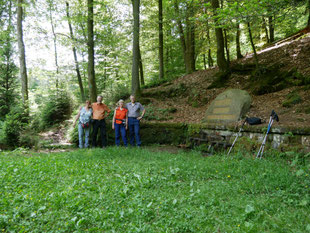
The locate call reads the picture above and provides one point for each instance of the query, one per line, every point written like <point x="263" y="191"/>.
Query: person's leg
<point x="87" y="137"/>
<point x="103" y="133"/>
<point x="117" y="133"/>
<point x="131" y="131"/>
<point x="80" y="129"/>
<point x="95" y="131"/>
<point x="137" y="132"/>
<point x="123" y="132"/>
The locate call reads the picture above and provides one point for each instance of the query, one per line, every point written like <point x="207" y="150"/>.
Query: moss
<point x="292" y="99"/>
<point x="242" y="69"/>
<point x="272" y="79"/>
<point x="220" y="80"/>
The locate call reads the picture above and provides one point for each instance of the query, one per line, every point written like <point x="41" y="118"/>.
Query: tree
<point x="8" y="70"/>
<point x="161" y="39"/>
<point x="135" y="84"/>
<point x="50" y="6"/>
<point x="221" y="61"/>
<point x="187" y="36"/>
<point x="77" y="67"/>
<point x="91" y="52"/>
<point x="22" y="54"/>
<point x="238" y="47"/>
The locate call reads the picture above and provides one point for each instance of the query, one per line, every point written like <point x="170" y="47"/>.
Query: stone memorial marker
<point x="229" y="106"/>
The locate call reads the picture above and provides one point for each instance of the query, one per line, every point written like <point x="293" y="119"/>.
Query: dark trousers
<point x="99" y="124"/>
<point x="134" y="131"/>
<point x="120" y="130"/>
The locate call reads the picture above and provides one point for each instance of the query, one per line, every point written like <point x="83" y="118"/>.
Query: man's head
<point x="99" y="99"/>
<point x="132" y="98"/>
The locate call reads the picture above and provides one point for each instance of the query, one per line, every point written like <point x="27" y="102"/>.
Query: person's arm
<point x="108" y="111"/>
<point x="126" y="120"/>
<point x="113" y="119"/>
<point x="143" y="112"/>
<point x="76" y="118"/>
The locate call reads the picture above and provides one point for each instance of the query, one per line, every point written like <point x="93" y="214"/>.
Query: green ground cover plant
<point x="132" y="190"/>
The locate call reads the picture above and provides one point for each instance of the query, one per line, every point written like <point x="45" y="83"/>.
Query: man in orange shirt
<point x="99" y="115"/>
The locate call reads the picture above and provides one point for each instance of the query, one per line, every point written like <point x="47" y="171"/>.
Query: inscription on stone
<point x="229" y="106"/>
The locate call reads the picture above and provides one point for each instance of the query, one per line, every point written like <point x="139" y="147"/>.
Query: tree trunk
<point x="253" y="46"/>
<point x="91" y="52"/>
<point x="182" y="35"/>
<point x="22" y="54"/>
<point x="238" y="47"/>
<point x="221" y="61"/>
<point x="271" y="29"/>
<point x="192" y="47"/>
<point x="210" y="60"/>
<point x="204" y="61"/>
<point x="55" y="43"/>
<point x="160" y="39"/>
<point x="266" y="30"/>
<point x="141" y="69"/>
<point x="77" y="68"/>
<point x="308" y="24"/>
<point x="135" y="84"/>
<point x="226" y="47"/>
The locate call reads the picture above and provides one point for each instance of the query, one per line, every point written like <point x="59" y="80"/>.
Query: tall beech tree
<point x="22" y="54"/>
<point x="160" y="39"/>
<point x="91" y="52"/>
<point x="187" y="34"/>
<point x="135" y="84"/>
<point x="221" y="60"/>
<point x="77" y="67"/>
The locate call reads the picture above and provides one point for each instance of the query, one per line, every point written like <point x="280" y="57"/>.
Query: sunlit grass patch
<point x="132" y="190"/>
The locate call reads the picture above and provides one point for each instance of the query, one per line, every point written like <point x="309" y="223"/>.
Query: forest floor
<point x="187" y="98"/>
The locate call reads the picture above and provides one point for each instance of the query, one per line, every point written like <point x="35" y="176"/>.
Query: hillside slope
<point x="285" y="78"/>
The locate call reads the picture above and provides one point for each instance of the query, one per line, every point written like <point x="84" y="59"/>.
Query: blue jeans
<point x="134" y="131"/>
<point x="81" y="134"/>
<point x="120" y="130"/>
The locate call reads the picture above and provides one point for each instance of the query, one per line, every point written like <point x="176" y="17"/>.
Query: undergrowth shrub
<point x="55" y="109"/>
<point x="15" y="122"/>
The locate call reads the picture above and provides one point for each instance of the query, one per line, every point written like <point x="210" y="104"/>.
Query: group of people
<point x="125" y="117"/>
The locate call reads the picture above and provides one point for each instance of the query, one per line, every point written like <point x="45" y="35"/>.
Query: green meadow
<point x="132" y="190"/>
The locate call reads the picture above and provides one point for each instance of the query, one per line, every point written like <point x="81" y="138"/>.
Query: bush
<point x="56" y="109"/>
<point x="15" y="122"/>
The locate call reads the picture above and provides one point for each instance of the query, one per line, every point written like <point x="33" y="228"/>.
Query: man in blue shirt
<point x="134" y="117"/>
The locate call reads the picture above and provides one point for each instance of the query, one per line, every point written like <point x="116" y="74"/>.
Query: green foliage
<point x="56" y="108"/>
<point x="292" y="99"/>
<point x="105" y="190"/>
<point x="14" y="125"/>
<point x="119" y="91"/>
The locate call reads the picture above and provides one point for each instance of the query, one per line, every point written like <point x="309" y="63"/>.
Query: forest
<point x="176" y="57"/>
<point x="56" y="54"/>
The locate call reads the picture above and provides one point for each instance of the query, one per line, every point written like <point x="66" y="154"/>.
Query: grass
<point x="118" y="190"/>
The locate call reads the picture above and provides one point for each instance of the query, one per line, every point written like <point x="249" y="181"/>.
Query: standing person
<point x="120" y="123"/>
<point x="99" y="115"/>
<point x="84" y="117"/>
<point x="134" y="117"/>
